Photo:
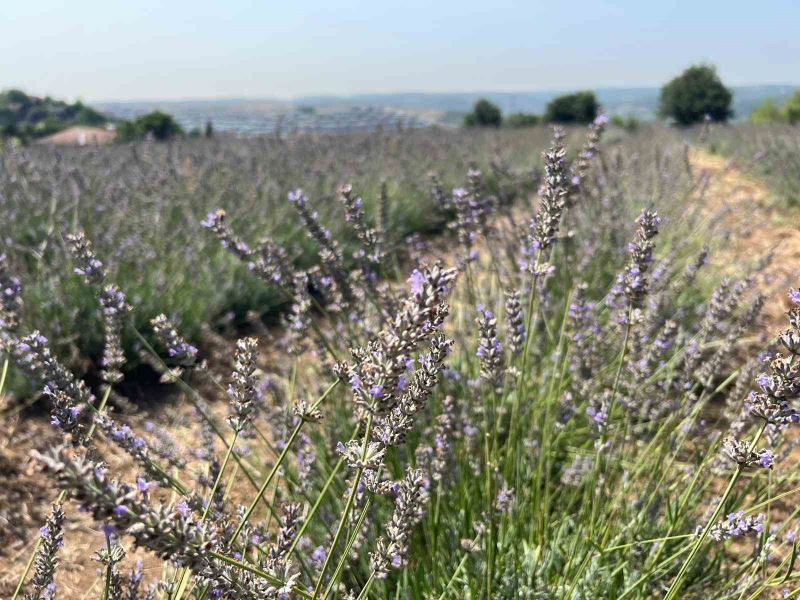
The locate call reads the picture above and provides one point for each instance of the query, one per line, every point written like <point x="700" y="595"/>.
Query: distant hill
<point x="370" y="111"/>
<point x="29" y="117"/>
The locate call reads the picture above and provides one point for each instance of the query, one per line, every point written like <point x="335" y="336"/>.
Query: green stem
<point x="109" y="567"/>
<point x="458" y="570"/>
<point x="313" y="510"/>
<point x="674" y="589"/>
<point x="3" y="377"/>
<point x="365" y="590"/>
<point x="255" y="571"/>
<point x="346" y="511"/>
<point x="219" y="478"/>
<point x="61" y="496"/>
<point x="267" y="481"/>
<point x="339" y="530"/>
<point x="348" y="546"/>
<point x="184" y="579"/>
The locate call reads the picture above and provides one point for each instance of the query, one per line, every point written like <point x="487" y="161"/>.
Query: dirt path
<point x="757" y="224"/>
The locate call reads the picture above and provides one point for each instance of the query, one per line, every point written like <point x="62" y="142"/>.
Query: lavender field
<point x="534" y="363"/>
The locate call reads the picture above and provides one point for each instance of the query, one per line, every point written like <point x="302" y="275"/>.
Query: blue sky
<point x="141" y="49"/>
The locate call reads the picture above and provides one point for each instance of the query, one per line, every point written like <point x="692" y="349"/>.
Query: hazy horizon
<point x="465" y="92"/>
<point x="114" y="51"/>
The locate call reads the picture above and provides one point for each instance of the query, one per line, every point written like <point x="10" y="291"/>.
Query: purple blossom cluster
<point x="737" y="525"/>
<point x="490" y="350"/>
<point x="215" y="222"/>
<point x="357" y="218"/>
<point x="552" y="197"/>
<point x="781" y="385"/>
<point x="377" y="377"/>
<point x="10" y="297"/>
<point x="391" y="551"/>
<point x="243" y="390"/>
<point x="329" y="253"/>
<point x="52" y="539"/>
<point x="33" y="356"/>
<point x="86" y="263"/>
<point x="632" y="282"/>
<point x="178" y="349"/>
<point x="742" y="454"/>
<point x="579" y="168"/>
<point x="515" y="319"/>
<point x="113" y="305"/>
<point x="269" y="260"/>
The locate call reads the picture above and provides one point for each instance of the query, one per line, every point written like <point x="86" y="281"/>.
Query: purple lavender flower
<point x="490" y="350"/>
<point x="737" y="525"/>
<point x="417" y="281"/>
<point x="46" y="561"/>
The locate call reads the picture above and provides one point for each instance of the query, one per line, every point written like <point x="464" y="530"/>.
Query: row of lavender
<point x="141" y="205"/>
<point x="563" y="412"/>
<point x="771" y="152"/>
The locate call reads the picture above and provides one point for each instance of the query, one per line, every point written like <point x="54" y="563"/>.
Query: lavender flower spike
<point x="52" y="538"/>
<point x="86" y="263"/>
<point x="490" y="351"/>
<point x="516" y="322"/>
<point x="178" y="348"/>
<point x="633" y="280"/>
<point x="552" y="194"/>
<point x="391" y="551"/>
<point x="242" y="390"/>
<point x="737" y="525"/>
<point x="10" y="297"/>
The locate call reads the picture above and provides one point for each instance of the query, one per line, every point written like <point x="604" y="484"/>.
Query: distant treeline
<point x="580" y="107"/>
<point x="27" y="118"/>
<point x="772" y="112"/>
<point x="696" y="95"/>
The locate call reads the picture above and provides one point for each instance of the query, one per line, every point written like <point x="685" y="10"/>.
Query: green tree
<point x="85" y="115"/>
<point x="484" y="114"/>
<point x="791" y="110"/>
<point x="695" y="93"/>
<point x="580" y="107"/>
<point x="158" y="124"/>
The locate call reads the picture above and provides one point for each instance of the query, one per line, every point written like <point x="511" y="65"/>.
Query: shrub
<point x="160" y="125"/>
<point x="580" y="107"/>
<point x="522" y="120"/>
<point x="484" y="114"/>
<point x="767" y="112"/>
<point x="697" y="92"/>
<point x="629" y="123"/>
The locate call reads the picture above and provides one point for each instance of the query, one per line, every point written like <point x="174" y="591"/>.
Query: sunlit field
<point x="528" y="363"/>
